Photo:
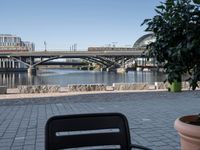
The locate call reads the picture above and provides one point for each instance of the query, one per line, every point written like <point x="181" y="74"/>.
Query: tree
<point x="176" y="27"/>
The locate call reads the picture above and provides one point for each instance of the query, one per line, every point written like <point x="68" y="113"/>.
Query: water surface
<point x="63" y="77"/>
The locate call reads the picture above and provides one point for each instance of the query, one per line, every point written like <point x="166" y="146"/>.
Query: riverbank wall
<point x="38" y="89"/>
<point x="25" y="89"/>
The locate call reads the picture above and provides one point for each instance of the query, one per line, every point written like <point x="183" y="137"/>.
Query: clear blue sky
<point x="86" y="22"/>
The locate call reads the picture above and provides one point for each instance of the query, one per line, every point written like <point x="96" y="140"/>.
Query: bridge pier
<point x="108" y="69"/>
<point x="31" y="70"/>
<point x="104" y="69"/>
<point x="121" y="70"/>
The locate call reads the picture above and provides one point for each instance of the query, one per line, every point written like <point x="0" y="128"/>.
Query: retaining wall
<point x="86" y="87"/>
<point x="3" y="89"/>
<point x="166" y="85"/>
<point x="93" y="87"/>
<point x="133" y="86"/>
<point x="38" y="88"/>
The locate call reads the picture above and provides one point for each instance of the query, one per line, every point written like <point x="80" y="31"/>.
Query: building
<point x="11" y="43"/>
<point x="9" y="40"/>
<point x="29" y="45"/>
<point x="144" y="40"/>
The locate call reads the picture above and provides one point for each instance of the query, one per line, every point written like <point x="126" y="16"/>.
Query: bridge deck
<point x="72" y="54"/>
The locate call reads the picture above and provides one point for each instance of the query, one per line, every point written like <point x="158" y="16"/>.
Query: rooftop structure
<point x="143" y="41"/>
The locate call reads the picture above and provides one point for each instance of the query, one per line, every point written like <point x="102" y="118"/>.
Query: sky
<point x="61" y="23"/>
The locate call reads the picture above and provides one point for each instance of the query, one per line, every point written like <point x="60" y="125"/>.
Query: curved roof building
<point x="144" y="40"/>
<point x="140" y="44"/>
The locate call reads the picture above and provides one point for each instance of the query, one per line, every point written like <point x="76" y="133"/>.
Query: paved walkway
<point x="151" y="116"/>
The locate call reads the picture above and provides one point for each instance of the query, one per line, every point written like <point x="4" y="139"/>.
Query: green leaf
<point x="196" y="1"/>
<point x="169" y="4"/>
<point x="145" y="21"/>
<point x="159" y="12"/>
<point x="162" y="7"/>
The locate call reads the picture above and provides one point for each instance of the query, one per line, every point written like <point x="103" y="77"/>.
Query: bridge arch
<point x="95" y="59"/>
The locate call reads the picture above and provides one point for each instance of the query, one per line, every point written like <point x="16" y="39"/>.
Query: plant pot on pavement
<point x="189" y="131"/>
<point x="175" y="86"/>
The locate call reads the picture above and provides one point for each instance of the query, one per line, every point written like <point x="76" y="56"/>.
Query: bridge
<point x="106" y="59"/>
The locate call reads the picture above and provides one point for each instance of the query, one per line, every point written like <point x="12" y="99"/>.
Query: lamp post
<point x="114" y="43"/>
<point x="45" y="46"/>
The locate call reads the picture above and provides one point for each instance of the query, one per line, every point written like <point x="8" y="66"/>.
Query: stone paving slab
<point x="151" y="116"/>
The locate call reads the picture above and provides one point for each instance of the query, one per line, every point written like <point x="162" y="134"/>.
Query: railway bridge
<point x="106" y="59"/>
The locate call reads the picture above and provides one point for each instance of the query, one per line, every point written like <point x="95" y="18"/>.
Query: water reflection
<point x="64" y="77"/>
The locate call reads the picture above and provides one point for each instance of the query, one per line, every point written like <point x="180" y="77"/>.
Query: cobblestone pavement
<point x="151" y="116"/>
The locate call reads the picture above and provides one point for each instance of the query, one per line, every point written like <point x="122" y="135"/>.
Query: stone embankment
<point x="3" y="89"/>
<point x="94" y="87"/>
<point x="133" y="86"/>
<point x="38" y="89"/>
<point x="86" y="87"/>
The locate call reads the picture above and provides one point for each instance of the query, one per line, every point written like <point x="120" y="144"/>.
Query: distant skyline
<point x="87" y="23"/>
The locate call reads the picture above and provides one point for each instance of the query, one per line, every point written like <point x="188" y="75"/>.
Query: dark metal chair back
<point x="91" y="131"/>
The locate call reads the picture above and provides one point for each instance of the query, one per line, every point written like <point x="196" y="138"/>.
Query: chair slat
<point x="89" y="123"/>
<point x="88" y="140"/>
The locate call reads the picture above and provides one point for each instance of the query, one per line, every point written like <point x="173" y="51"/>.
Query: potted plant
<point x="189" y="131"/>
<point x="176" y="27"/>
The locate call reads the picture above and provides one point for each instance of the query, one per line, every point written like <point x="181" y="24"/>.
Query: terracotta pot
<point x="189" y="134"/>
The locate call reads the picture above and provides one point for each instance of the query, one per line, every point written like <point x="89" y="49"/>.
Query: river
<point x="63" y="77"/>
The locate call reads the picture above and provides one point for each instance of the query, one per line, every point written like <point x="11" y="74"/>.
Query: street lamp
<point x="45" y="46"/>
<point x="114" y="43"/>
